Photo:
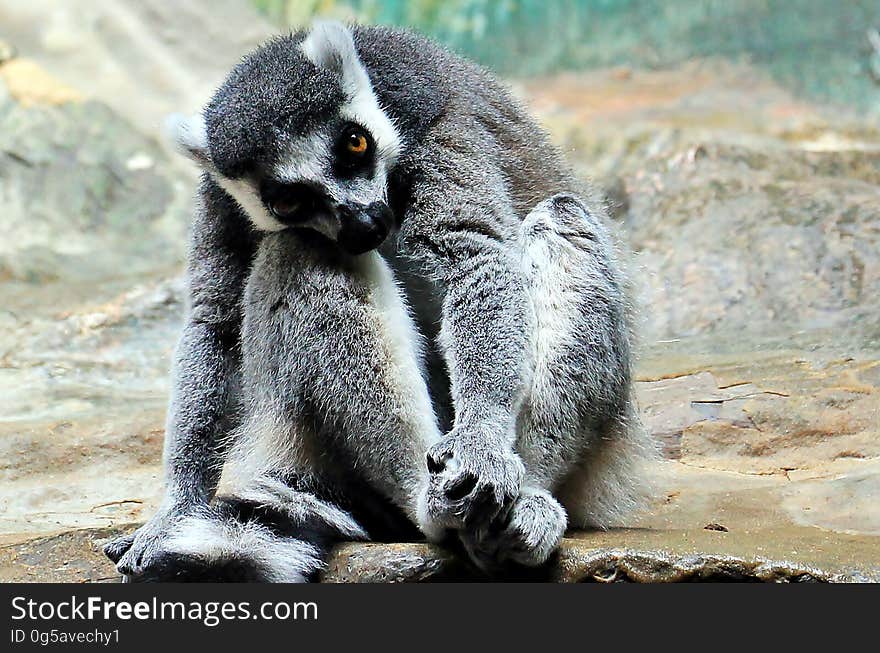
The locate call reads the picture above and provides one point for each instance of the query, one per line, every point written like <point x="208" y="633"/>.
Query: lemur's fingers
<point x="118" y="547"/>
<point x="137" y="559"/>
<point x="482" y="551"/>
<point x="470" y="487"/>
<point x="475" y="501"/>
<point x="535" y="528"/>
<point x="129" y="564"/>
<point x="527" y="533"/>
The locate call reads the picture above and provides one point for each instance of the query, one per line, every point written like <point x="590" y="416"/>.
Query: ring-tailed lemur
<point x="403" y="317"/>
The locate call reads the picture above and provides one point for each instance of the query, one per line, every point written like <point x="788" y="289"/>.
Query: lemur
<point x="407" y="319"/>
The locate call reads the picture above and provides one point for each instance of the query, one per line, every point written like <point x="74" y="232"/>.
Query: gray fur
<point x="488" y="335"/>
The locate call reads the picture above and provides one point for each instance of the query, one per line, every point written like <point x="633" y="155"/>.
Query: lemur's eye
<point x="355" y="141"/>
<point x="283" y="207"/>
<point x="290" y="202"/>
<point x="355" y="151"/>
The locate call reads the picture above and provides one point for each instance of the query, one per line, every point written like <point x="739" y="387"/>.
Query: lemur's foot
<point x="472" y="480"/>
<point x="527" y="535"/>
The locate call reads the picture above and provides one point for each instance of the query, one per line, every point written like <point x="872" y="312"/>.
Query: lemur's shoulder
<point x="418" y="80"/>
<point x="424" y="86"/>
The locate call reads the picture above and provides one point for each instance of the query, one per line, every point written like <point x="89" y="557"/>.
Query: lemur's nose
<point x="364" y="228"/>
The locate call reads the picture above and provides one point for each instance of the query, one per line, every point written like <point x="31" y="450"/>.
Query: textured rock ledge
<point x="397" y="563"/>
<point x="75" y="557"/>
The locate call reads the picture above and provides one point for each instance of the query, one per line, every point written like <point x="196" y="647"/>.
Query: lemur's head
<point x="296" y="135"/>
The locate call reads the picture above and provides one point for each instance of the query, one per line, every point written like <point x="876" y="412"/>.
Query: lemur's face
<point x="297" y="137"/>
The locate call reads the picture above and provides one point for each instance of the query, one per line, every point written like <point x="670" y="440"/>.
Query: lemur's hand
<point x="474" y="476"/>
<point x="136" y="552"/>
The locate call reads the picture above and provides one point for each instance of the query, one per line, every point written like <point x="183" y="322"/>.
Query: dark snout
<point x="364" y="228"/>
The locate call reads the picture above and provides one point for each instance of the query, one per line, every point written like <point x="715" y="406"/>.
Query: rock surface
<point x="754" y="217"/>
<point x="777" y="200"/>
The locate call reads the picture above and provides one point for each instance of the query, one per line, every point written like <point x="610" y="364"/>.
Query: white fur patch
<point x="404" y="342"/>
<point x="330" y="45"/>
<point x="265" y="444"/>
<point x="190" y="137"/>
<point x="300" y="505"/>
<point x="363" y="108"/>
<point x="609" y="483"/>
<point x="306" y="160"/>
<point x="549" y="263"/>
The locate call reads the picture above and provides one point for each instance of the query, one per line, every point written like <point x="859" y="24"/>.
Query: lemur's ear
<point x="330" y="45"/>
<point x="189" y="137"/>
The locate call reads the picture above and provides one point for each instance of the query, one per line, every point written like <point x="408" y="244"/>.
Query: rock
<point x="84" y="412"/>
<point x="73" y="209"/>
<point x="764" y="413"/>
<point x="575" y="563"/>
<point x="843" y="503"/>
<point x="143" y="59"/>
<point x="622" y="566"/>
<point x="30" y="85"/>
<point x="393" y="563"/>
<point x="73" y="557"/>
<point x="778" y="238"/>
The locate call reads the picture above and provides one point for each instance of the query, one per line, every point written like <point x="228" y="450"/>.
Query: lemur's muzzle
<point x="364" y="228"/>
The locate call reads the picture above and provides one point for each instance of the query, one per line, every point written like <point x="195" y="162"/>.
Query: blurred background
<point x="737" y="144"/>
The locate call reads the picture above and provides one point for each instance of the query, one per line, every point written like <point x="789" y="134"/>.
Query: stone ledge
<point x="76" y="557"/>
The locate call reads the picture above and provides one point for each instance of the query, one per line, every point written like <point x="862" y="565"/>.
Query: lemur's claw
<point x="134" y="553"/>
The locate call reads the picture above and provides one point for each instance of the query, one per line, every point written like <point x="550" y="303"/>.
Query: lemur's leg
<point x="333" y="393"/>
<point x="573" y="431"/>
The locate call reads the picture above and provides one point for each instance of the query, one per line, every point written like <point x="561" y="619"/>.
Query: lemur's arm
<point x="205" y="373"/>
<point x="460" y="225"/>
<point x="207" y="361"/>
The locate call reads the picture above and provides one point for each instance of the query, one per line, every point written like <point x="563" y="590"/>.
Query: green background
<point x="818" y="48"/>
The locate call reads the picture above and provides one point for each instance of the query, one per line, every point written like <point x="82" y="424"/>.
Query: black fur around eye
<point x="292" y="203"/>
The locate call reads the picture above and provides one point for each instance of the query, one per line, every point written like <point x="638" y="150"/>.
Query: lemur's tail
<point x="267" y="533"/>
